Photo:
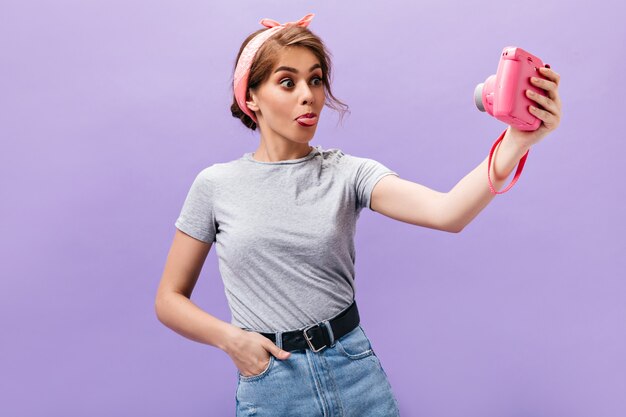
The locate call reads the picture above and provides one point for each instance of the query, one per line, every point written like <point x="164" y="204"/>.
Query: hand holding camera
<point x="524" y="94"/>
<point x="512" y="95"/>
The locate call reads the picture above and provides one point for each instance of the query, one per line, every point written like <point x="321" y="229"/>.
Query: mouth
<point x="308" y="119"/>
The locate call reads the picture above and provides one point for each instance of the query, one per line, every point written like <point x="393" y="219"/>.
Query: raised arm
<point x="415" y="204"/>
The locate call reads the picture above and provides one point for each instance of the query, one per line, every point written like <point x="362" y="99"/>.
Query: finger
<point x="546" y="117"/>
<point x="554" y="77"/>
<point x="543" y="83"/>
<point x="550" y="74"/>
<point x="549" y="86"/>
<point x="544" y="101"/>
<point x="277" y="352"/>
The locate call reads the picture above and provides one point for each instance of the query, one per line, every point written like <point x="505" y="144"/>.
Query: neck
<point x="281" y="151"/>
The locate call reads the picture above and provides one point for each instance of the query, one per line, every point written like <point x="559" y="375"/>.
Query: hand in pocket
<point x="251" y="353"/>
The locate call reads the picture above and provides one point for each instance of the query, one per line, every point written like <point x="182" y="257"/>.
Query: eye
<point x="285" y="80"/>
<point x="316" y="77"/>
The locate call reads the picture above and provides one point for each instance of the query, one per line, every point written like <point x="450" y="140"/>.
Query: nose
<point x="306" y="94"/>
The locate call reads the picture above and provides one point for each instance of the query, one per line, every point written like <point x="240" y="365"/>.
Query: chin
<point x="305" y="138"/>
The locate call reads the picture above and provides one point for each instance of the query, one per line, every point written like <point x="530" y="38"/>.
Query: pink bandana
<point x="242" y="71"/>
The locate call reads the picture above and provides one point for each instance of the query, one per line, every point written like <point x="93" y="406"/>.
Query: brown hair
<point x="266" y="59"/>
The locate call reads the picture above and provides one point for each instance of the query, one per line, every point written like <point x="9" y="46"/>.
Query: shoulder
<point x="335" y="156"/>
<point x="331" y="154"/>
<point x="351" y="165"/>
<point x="220" y="171"/>
<point x="339" y="155"/>
<point x="350" y="161"/>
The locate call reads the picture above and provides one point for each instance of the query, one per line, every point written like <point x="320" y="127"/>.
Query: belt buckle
<point x="308" y="339"/>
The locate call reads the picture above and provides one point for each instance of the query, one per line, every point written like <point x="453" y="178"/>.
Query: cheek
<point x="280" y="104"/>
<point x="321" y="96"/>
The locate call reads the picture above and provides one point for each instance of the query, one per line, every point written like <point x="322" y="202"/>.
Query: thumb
<point x="278" y="352"/>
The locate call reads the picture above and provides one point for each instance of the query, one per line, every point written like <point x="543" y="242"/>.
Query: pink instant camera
<point x="504" y="95"/>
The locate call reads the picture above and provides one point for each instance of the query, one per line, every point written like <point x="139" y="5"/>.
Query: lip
<point x="308" y="115"/>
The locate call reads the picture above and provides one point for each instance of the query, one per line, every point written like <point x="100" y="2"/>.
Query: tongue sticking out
<point x="309" y="121"/>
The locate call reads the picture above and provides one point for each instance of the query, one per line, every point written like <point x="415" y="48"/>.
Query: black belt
<point x="316" y="337"/>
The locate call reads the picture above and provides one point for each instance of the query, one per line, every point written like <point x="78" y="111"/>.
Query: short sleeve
<point x="197" y="218"/>
<point x="367" y="173"/>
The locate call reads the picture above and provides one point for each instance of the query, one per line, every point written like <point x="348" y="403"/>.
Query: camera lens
<point x="478" y="97"/>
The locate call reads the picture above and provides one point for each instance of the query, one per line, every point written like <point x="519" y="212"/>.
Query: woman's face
<point x="294" y="88"/>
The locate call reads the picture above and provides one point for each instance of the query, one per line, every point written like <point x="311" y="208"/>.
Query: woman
<point x="283" y="219"/>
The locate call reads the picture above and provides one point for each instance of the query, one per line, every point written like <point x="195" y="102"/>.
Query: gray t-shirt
<point x="284" y="233"/>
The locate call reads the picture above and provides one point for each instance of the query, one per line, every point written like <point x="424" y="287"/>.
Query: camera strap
<point x="520" y="167"/>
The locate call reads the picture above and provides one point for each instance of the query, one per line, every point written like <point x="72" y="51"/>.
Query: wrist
<point x="509" y="155"/>
<point x="514" y="143"/>
<point x="229" y="338"/>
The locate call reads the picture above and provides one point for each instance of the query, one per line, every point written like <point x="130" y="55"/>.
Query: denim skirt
<point x="342" y="380"/>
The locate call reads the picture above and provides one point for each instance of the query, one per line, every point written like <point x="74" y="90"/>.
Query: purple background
<point x="109" y="110"/>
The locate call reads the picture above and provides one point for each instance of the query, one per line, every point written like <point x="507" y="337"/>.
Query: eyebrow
<point x="295" y="71"/>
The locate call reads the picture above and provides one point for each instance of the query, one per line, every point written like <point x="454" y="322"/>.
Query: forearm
<point x="472" y="194"/>
<point x="181" y="315"/>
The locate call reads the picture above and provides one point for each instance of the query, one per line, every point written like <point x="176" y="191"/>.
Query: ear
<point x="252" y="103"/>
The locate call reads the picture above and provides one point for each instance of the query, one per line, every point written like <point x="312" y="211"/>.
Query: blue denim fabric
<point x="342" y="380"/>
